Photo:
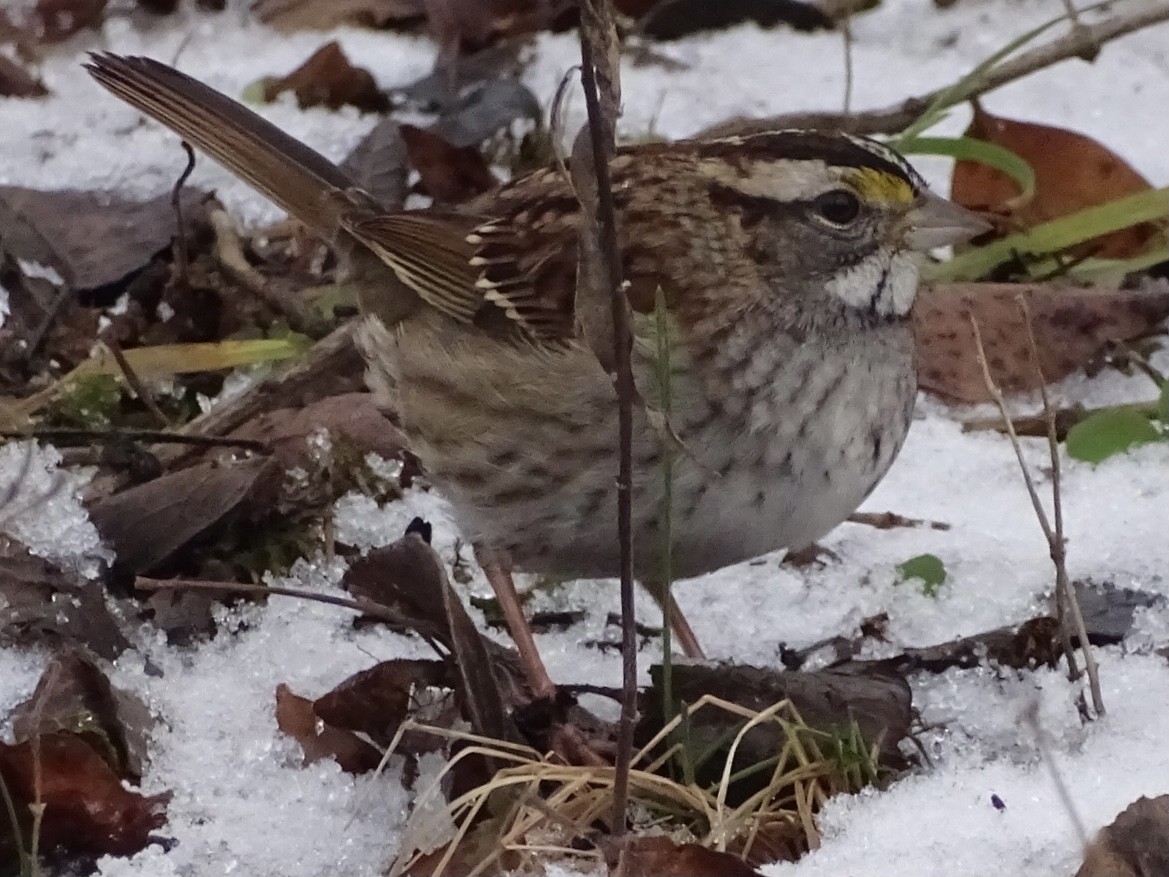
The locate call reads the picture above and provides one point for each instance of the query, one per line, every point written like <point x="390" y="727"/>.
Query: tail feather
<point x="299" y="179"/>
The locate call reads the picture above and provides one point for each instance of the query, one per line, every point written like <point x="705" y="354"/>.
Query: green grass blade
<point x="1056" y="235"/>
<point x="989" y="154"/>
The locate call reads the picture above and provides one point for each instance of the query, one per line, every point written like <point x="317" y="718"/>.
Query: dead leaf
<point x="449" y="174"/>
<point x="74" y="696"/>
<point x="1071" y="172"/>
<point x="378" y="164"/>
<point x="60" y="19"/>
<point x="376" y="701"/>
<point x="328" y="78"/>
<point x="1071" y="325"/>
<point x="350" y="416"/>
<point x="296" y="718"/>
<point x="16" y="81"/>
<point x="147" y="523"/>
<point x="39" y="602"/>
<point x="87" y="808"/>
<point x="292" y="15"/>
<point x="663" y="857"/>
<point x="83" y="248"/>
<point x="1136" y="844"/>
<point x="408" y="576"/>
<point x="675" y="19"/>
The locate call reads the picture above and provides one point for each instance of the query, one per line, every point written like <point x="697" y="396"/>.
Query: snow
<point x="242" y="803"/>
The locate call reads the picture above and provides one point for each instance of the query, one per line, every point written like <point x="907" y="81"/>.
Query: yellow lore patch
<point x="878" y="186"/>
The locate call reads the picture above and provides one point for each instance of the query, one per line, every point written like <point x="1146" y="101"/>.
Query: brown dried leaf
<point x="291" y="15"/>
<point x="377" y="700"/>
<point x="352" y="416"/>
<point x="675" y="19"/>
<point x="1071" y="327"/>
<point x="60" y="19"/>
<point x="87" y="809"/>
<point x="663" y="857"/>
<point x="92" y="239"/>
<point x="450" y="174"/>
<point x="16" y="81"/>
<point x="328" y="78"/>
<point x="74" y="696"/>
<point x="408" y="576"/>
<point x="1136" y="844"/>
<point x="39" y="601"/>
<point x="147" y="523"/>
<point x="378" y="164"/>
<point x="1071" y="172"/>
<point x="296" y="718"/>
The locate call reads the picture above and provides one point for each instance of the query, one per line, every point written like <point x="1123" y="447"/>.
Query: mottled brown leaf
<point x="328" y="78"/>
<point x="296" y="718"/>
<point x="41" y="603"/>
<point x="87" y="809"/>
<point x="16" y="81"/>
<point x="92" y="240"/>
<point x="74" y="696"/>
<point x="1071" y="172"/>
<point x="1071" y="326"/>
<point x="60" y="19"/>
<point x="377" y="700"/>
<point x="663" y="857"/>
<point x="449" y="174"/>
<point x="350" y="416"/>
<point x="148" y="522"/>
<point x="1136" y="844"/>
<point x="292" y="15"/>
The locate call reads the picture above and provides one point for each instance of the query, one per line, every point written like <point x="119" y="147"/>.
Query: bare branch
<point x="1083" y="40"/>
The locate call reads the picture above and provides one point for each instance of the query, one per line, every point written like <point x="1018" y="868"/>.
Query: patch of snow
<point x="41" y="508"/>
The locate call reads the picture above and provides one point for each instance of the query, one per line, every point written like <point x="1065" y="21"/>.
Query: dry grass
<point x="538" y="805"/>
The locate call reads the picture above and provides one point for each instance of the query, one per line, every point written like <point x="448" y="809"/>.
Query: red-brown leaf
<point x="1071" y="172"/>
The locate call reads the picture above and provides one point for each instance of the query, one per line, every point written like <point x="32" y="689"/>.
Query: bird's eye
<point x="839" y="206"/>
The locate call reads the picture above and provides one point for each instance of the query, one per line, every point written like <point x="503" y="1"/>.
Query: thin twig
<point x="357" y="604"/>
<point x="229" y="253"/>
<point x="597" y="20"/>
<point x="182" y="259"/>
<point x="899" y="116"/>
<point x="64" y="434"/>
<point x="1054" y="539"/>
<point x="1066" y="599"/>
<point x="136" y="384"/>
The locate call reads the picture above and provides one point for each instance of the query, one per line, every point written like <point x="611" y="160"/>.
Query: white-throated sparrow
<point x="787" y="265"/>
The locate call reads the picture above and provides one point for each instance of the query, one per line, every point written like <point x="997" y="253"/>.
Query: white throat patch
<point x="884" y="283"/>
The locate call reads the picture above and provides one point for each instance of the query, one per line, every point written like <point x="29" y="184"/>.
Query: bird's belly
<point x="773" y="463"/>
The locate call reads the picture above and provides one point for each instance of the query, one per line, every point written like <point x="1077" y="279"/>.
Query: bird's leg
<point x="683" y="632"/>
<point x="497" y="567"/>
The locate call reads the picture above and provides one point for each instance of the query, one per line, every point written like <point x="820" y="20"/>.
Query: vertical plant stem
<point x="664" y="363"/>
<point x="595" y="15"/>
<point x="1066" y="599"/>
<point x="1054" y="540"/>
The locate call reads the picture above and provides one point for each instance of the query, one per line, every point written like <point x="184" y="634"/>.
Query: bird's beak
<point x="936" y="222"/>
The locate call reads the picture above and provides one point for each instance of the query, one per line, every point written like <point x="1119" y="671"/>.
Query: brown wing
<point x="515" y="273"/>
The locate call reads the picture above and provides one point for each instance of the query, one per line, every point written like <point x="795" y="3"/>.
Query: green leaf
<point x="927" y="567"/>
<point x="1056" y="235"/>
<point x="1109" y="432"/>
<point x="989" y="154"/>
<point x="1163" y="405"/>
